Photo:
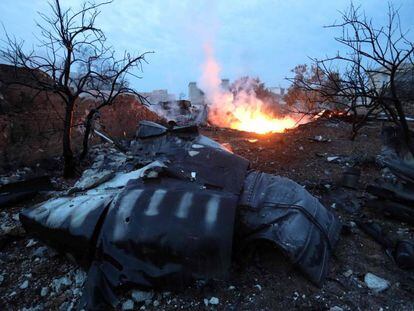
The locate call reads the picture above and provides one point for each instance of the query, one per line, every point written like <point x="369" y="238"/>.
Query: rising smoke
<point x="240" y="109"/>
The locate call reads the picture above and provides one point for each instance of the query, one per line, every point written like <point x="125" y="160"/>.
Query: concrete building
<point x="158" y="96"/>
<point x="278" y="90"/>
<point x="195" y="95"/>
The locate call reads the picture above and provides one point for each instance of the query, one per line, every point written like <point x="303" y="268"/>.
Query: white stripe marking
<point x="184" y="207"/>
<point x="212" y="210"/>
<point x="156" y="199"/>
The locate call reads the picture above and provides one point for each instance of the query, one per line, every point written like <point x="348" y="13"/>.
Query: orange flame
<point x="245" y="112"/>
<point x="258" y="122"/>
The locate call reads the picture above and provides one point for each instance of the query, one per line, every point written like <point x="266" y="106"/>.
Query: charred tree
<point x="364" y="80"/>
<point x="74" y="61"/>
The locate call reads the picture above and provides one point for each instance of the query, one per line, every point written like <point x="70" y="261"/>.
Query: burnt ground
<point x="262" y="279"/>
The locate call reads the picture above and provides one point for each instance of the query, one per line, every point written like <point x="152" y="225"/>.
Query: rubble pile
<point x="137" y="231"/>
<point x="173" y="219"/>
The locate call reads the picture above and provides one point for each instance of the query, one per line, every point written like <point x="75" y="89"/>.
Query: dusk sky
<point x="263" y="38"/>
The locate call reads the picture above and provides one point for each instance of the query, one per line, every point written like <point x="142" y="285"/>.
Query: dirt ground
<point x="265" y="280"/>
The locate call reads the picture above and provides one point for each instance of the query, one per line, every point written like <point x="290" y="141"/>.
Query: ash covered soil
<point x="34" y="277"/>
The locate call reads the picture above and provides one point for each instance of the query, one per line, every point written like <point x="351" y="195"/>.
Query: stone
<point x="30" y="243"/>
<point x="214" y="301"/>
<point x="336" y="308"/>
<point x="80" y="277"/>
<point x="60" y="283"/>
<point x="24" y="285"/>
<point x="140" y="296"/>
<point x="66" y="306"/>
<point x="40" y="252"/>
<point x="348" y="273"/>
<point x="156" y="303"/>
<point x="375" y="283"/>
<point x="258" y="286"/>
<point x="44" y="291"/>
<point x="128" y="305"/>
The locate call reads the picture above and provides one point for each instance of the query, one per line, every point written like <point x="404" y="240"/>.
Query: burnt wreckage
<point x="174" y="219"/>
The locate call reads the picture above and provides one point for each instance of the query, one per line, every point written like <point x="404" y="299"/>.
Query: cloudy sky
<point x="264" y="38"/>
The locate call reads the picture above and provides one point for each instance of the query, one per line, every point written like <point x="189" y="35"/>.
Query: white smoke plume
<point x="241" y="110"/>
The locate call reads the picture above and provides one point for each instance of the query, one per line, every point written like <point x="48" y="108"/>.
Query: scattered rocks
<point x="60" y="283"/>
<point x="140" y="296"/>
<point x="80" y="277"/>
<point x="66" y="306"/>
<point x="376" y="283"/>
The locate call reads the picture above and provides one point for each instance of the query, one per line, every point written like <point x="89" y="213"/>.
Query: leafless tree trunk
<point x="73" y="61"/>
<point x="350" y="79"/>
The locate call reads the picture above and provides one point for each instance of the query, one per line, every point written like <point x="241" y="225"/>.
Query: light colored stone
<point x="376" y="283"/>
<point x="80" y="277"/>
<point x="140" y="296"/>
<point x="214" y="301"/>
<point x="60" y="283"/>
<point x="348" y="273"/>
<point x="24" y="285"/>
<point x="44" y="291"/>
<point x="31" y="242"/>
<point x="336" y="308"/>
<point x="128" y="305"/>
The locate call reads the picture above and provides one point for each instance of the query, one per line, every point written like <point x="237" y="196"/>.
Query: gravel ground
<point x="34" y="277"/>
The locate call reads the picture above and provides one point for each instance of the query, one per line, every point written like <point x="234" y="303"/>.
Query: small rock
<point x="31" y="243"/>
<point x="60" y="283"/>
<point x="205" y="302"/>
<point x="128" y="305"/>
<point x="40" y="252"/>
<point x="258" y="286"/>
<point x="336" y="308"/>
<point x="140" y="296"/>
<point x="44" y="291"/>
<point x="76" y="292"/>
<point x="156" y="303"/>
<point x="231" y="287"/>
<point x="214" y="301"/>
<point x="330" y="159"/>
<point x="66" y="306"/>
<point x="376" y="283"/>
<point x="80" y="277"/>
<point x="15" y="217"/>
<point x="24" y="285"/>
<point x="348" y="273"/>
